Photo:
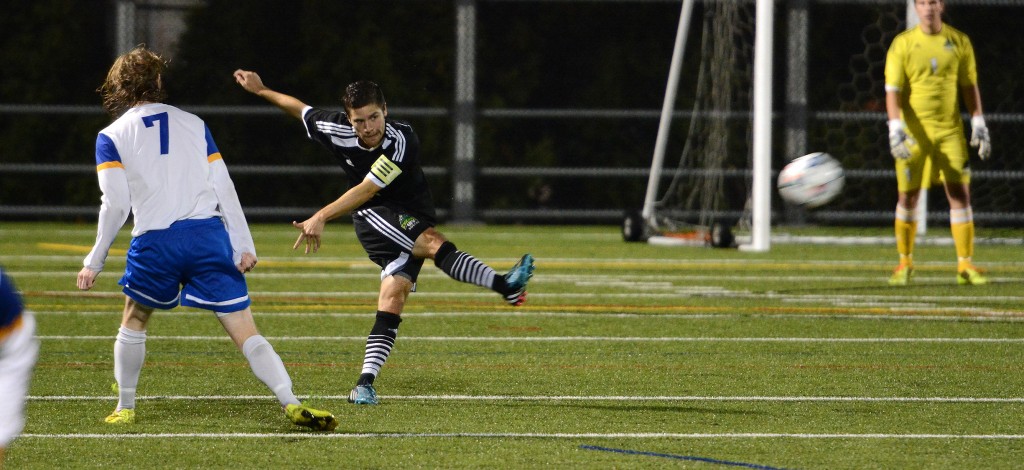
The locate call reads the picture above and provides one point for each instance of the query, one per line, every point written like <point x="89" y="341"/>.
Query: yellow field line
<point x="640" y="265"/>
<point x="356" y="306"/>
<point x="82" y="249"/>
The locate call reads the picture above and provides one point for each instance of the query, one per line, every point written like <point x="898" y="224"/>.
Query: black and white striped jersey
<point x="406" y="193"/>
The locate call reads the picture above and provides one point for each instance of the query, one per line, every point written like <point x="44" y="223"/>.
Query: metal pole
<point x="464" y="115"/>
<point x="796" y="91"/>
<point x="761" y="191"/>
<point x="666" y="110"/>
<point x="125" y="27"/>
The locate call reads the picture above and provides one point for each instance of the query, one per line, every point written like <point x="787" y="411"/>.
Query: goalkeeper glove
<point x="980" y="138"/>
<point x="899" y="141"/>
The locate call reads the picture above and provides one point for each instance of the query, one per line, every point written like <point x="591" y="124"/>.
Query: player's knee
<point x="391" y="304"/>
<point x="442" y="252"/>
<point x="130" y="336"/>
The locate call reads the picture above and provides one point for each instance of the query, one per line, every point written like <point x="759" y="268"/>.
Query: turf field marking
<point x="579" y="279"/>
<point x="742" y="264"/>
<point x="680" y="457"/>
<point x="965" y="314"/>
<point x="613" y="398"/>
<point x="81" y="249"/>
<point x="683" y="292"/>
<point x="689" y="339"/>
<point x="641" y="435"/>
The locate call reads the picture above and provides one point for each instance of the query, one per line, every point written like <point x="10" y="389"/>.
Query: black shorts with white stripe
<point x="388" y="236"/>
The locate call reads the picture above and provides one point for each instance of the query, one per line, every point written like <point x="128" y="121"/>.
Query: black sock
<point x="378" y="345"/>
<point x="464" y="267"/>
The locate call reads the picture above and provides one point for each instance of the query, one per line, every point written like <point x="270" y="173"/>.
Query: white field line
<point x="286" y="232"/>
<point x="498" y="435"/>
<point x="544" y="339"/>
<point x="683" y="293"/>
<point x="361" y="261"/>
<point x="977" y="314"/>
<point x="541" y="398"/>
<point x="263" y="233"/>
<point x="581" y="279"/>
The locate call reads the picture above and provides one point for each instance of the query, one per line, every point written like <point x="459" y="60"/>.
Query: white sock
<point x="269" y="368"/>
<point x="129" y="354"/>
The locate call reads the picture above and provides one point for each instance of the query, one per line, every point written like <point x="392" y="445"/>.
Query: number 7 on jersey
<point x="162" y="120"/>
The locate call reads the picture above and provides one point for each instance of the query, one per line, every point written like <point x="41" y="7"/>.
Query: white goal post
<point x="760" y="197"/>
<point x="762" y="132"/>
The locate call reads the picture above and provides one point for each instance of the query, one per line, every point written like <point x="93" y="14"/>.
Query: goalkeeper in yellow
<point x="927" y="69"/>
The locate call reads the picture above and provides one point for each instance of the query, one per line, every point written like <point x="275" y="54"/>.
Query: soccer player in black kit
<point x="391" y="208"/>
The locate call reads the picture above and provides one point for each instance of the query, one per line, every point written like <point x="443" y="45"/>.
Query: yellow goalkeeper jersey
<point x="928" y="71"/>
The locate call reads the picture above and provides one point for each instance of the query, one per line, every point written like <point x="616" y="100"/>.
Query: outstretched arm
<point x="313" y="227"/>
<point x="252" y="83"/>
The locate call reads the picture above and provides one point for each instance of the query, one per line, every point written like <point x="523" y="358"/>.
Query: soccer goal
<point x="721" y="189"/>
<point x="707" y="194"/>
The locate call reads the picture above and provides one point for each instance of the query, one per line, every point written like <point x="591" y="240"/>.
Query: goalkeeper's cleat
<point x="317" y="420"/>
<point x="970" y="276"/>
<point x="516" y="280"/>
<point x="363" y="395"/>
<point x="125" y="416"/>
<point x="901" y="275"/>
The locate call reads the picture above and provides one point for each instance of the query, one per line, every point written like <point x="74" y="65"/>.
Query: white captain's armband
<point x="384" y="171"/>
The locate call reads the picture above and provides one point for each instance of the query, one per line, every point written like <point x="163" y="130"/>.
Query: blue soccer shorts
<point x="189" y="262"/>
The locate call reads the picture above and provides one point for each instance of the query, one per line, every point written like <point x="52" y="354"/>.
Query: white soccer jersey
<point x="162" y="164"/>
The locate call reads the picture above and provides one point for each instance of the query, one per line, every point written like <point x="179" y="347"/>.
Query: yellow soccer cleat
<point x="125" y="416"/>
<point x="970" y="276"/>
<point x="901" y="275"/>
<point x="317" y="420"/>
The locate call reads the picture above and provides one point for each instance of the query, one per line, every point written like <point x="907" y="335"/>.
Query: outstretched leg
<point x="464" y="267"/>
<point x="267" y="365"/>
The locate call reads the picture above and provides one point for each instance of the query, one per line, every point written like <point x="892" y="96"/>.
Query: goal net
<point x="837" y="82"/>
<point x="705" y="195"/>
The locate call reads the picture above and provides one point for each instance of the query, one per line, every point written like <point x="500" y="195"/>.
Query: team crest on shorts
<point x="407" y="221"/>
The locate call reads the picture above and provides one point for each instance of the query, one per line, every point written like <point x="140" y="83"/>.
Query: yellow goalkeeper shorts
<point x="935" y="157"/>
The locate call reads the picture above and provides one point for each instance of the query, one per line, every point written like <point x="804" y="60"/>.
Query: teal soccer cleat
<point x="363" y="395"/>
<point x="516" y="280"/>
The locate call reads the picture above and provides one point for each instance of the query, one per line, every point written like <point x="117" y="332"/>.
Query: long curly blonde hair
<point x="134" y="78"/>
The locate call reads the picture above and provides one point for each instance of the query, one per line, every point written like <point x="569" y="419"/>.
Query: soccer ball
<point x="811" y="180"/>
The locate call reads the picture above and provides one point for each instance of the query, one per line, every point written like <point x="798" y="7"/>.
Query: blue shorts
<point x="11" y="305"/>
<point x="191" y="262"/>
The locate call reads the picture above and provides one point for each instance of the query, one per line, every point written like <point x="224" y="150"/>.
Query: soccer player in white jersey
<point x="391" y="209"/>
<point x="190" y="243"/>
<point x="928" y="69"/>
<point x="18" y="350"/>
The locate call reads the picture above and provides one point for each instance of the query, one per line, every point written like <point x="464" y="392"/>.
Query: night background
<point x="537" y="55"/>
